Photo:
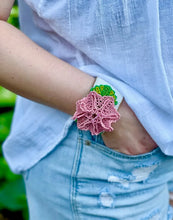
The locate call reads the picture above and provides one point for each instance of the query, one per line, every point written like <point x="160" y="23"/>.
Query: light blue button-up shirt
<point x="128" y="43"/>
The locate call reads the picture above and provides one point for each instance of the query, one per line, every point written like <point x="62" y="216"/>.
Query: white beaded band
<point x="100" y="81"/>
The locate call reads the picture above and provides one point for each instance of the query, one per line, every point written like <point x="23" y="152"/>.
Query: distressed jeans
<point x="83" y="179"/>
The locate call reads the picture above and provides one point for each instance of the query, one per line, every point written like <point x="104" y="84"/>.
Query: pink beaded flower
<point x="96" y="113"/>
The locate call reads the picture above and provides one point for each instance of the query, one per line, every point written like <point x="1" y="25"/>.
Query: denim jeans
<point x="83" y="179"/>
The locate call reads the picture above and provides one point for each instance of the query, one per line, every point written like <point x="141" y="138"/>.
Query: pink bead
<point x="96" y="113"/>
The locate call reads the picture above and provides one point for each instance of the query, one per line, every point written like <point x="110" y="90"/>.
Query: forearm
<point x="32" y="72"/>
<point x="5" y="9"/>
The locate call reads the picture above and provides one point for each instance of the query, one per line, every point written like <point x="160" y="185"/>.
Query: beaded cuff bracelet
<point x="98" y="110"/>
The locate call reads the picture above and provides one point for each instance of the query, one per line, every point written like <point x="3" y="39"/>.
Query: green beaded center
<point x="105" y="90"/>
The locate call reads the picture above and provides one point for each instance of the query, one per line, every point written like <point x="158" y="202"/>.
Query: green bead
<point x="105" y="90"/>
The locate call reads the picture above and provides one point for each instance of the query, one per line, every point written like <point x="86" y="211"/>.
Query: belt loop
<point x="96" y="138"/>
<point x="99" y="139"/>
<point x="80" y="133"/>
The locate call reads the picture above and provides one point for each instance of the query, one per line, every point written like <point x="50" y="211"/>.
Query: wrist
<point x="87" y="83"/>
<point x="98" y="110"/>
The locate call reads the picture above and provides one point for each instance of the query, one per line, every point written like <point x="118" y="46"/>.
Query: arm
<point x="32" y="72"/>
<point x="5" y="9"/>
<point x="129" y="136"/>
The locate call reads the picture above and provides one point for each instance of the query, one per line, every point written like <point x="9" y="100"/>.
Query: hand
<point x="128" y="136"/>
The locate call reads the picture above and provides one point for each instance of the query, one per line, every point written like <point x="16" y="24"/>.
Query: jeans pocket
<point x="104" y="179"/>
<point x="99" y="143"/>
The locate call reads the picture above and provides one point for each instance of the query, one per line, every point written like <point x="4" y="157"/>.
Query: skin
<point x="34" y="73"/>
<point x="129" y="136"/>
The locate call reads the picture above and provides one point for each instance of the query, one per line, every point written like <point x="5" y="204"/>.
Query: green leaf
<point x="12" y="195"/>
<point x="13" y="18"/>
<point x="5" y="172"/>
<point x="7" y="98"/>
<point x="15" y="11"/>
<point x="5" y="122"/>
<point x="3" y="168"/>
<point x="0" y="149"/>
<point x="25" y="214"/>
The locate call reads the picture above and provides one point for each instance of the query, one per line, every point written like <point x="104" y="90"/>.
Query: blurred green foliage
<point x="12" y="190"/>
<point x="13" y="18"/>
